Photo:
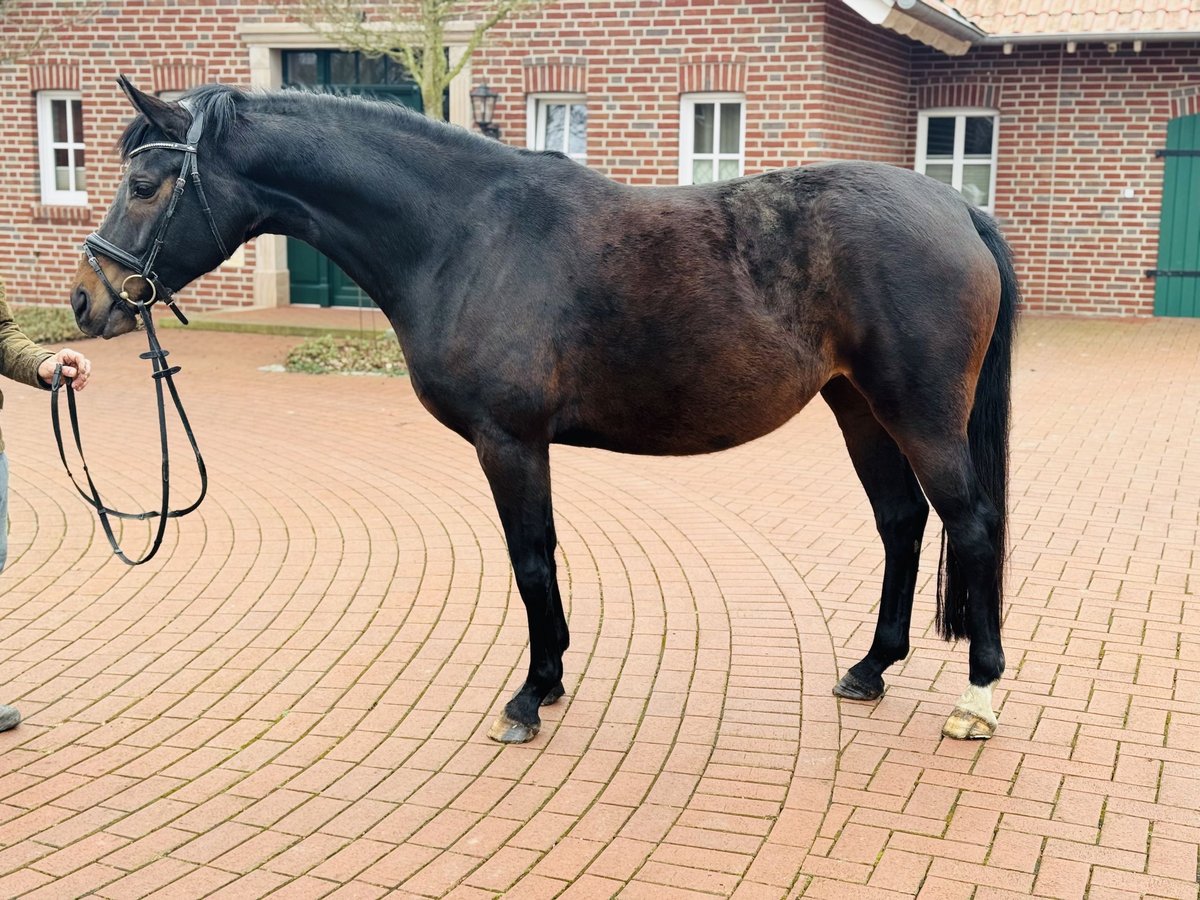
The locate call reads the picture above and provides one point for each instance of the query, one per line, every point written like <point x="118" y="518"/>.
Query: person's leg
<point x="9" y="716"/>
<point x="3" y="509"/>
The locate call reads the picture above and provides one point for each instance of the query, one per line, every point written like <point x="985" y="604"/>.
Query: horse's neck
<point x="381" y="196"/>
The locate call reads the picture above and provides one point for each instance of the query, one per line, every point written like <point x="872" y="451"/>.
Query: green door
<point x="314" y="278"/>
<point x="1177" y="290"/>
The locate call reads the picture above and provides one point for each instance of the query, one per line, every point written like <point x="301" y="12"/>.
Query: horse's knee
<point x="533" y="571"/>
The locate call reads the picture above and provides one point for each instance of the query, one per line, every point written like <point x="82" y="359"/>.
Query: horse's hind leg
<point x="971" y="522"/>
<point x="519" y="475"/>
<point x="900" y="514"/>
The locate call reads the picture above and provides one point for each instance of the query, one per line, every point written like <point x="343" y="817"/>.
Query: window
<point x="958" y="147"/>
<point x="173" y="96"/>
<point x="559" y="122"/>
<point x="60" y="148"/>
<point x="711" y="137"/>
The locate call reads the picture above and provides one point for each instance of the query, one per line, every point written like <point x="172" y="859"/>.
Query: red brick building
<point x="1050" y="119"/>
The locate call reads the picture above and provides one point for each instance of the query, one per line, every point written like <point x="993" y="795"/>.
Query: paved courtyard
<point x="292" y="699"/>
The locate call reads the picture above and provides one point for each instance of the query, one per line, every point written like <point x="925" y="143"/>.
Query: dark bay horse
<point x="537" y="302"/>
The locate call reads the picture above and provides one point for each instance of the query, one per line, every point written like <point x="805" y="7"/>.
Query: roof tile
<point x="1033" y="17"/>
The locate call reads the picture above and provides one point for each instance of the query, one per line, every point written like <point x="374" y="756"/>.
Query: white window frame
<point x="687" y="132"/>
<point x="535" y="122"/>
<point x="172" y="96"/>
<point x="959" y="114"/>
<point x="51" y="195"/>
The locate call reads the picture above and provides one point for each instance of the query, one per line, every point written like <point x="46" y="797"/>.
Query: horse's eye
<point x="144" y="191"/>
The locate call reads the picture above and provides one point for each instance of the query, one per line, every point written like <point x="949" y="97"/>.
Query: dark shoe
<point x="10" y="717"/>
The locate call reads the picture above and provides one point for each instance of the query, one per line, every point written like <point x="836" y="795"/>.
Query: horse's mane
<point x="220" y="102"/>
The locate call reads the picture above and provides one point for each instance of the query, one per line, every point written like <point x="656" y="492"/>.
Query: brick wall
<point x="867" y="111"/>
<point x="160" y="48"/>
<point x="633" y="60"/>
<point x="1076" y="131"/>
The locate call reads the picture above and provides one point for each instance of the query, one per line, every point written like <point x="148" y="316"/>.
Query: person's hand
<point x="75" y="365"/>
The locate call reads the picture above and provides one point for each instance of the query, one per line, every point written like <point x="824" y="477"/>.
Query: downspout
<point x="1058" y="93"/>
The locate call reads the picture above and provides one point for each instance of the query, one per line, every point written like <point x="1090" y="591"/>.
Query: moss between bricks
<point x="47" y="324"/>
<point x="376" y="355"/>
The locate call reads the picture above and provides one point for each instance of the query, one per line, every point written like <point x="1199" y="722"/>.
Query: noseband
<point x="143" y="267"/>
<point x="162" y="373"/>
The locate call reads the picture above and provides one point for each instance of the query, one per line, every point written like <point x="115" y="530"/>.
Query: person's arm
<point x="20" y="358"/>
<point x="23" y="360"/>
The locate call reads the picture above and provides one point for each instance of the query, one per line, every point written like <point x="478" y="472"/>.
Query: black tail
<point x="987" y="437"/>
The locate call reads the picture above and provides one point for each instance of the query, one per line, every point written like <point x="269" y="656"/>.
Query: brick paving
<point x="292" y="699"/>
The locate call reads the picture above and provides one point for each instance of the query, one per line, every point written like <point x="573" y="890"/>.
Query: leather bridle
<point x="162" y="373"/>
<point x="143" y="267"/>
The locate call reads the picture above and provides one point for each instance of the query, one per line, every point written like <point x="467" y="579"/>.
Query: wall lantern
<point x="483" y="104"/>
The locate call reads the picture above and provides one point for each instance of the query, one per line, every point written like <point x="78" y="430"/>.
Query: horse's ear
<point x="170" y="117"/>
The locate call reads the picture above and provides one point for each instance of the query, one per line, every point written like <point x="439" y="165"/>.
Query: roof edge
<point x="1088" y="37"/>
<point x="939" y="27"/>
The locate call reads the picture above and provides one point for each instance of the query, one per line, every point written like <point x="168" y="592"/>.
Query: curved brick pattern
<point x="294" y="695"/>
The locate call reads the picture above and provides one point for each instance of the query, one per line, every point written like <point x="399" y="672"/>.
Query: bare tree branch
<point x="411" y="32"/>
<point x="25" y="31"/>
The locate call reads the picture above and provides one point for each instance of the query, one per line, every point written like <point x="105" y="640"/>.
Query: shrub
<point x="376" y="354"/>
<point x="47" y="324"/>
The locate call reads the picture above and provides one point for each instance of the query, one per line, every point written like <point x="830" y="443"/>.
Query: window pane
<point x="58" y="116"/>
<point x="555" y="124"/>
<point x="578" y="137"/>
<point x="940" y="139"/>
<point x="81" y="174"/>
<point x="731" y="127"/>
<point x="341" y="68"/>
<point x="943" y="172"/>
<point x="976" y="184"/>
<point x="727" y="168"/>
<point x="702" y="142"/>
<point x="62" y="169"/>
<point x="301" y="68"/>
<point x="77" y="121"/>
<point x="371" y="71"/>
<point x="702" y="171"/>
<point x="978" y="138"/>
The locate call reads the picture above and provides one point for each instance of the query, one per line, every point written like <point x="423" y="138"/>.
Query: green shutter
<point x="1179" y="233"/>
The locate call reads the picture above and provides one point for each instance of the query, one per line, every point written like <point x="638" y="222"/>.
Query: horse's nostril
<point x="79" y="301"/>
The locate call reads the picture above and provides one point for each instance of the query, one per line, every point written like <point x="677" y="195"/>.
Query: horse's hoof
<point x="964" y="725"/>
<point x="851" y="687"/>
<point x="506" y="731"/>
<point x="555" y="692"/>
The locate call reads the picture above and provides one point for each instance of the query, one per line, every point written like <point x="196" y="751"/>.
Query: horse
<point x="538" y="302"/>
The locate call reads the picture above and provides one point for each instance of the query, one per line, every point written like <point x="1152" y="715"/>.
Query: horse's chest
<point x="441" y="401"/>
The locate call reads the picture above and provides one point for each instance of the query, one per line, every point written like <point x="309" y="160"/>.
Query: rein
<point x="162" y="374"/>
<point x="143" y="268"/>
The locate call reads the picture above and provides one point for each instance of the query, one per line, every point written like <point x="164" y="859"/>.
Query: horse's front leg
<point x="519" y="475"/>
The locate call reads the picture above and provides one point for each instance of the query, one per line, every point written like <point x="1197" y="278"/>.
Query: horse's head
<point x="149" y="235"/>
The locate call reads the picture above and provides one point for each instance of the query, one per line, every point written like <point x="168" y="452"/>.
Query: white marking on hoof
<point x="973" y="718"/>
<point x="505" y="731"/>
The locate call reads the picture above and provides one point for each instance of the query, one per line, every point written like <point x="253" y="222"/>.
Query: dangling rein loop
<point x="161" y="374"/>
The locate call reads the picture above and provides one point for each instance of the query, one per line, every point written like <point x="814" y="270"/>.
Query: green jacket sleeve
<point x="19" y="356"/>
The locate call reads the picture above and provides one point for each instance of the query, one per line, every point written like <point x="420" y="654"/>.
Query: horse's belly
<point x="686" y="421"/>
